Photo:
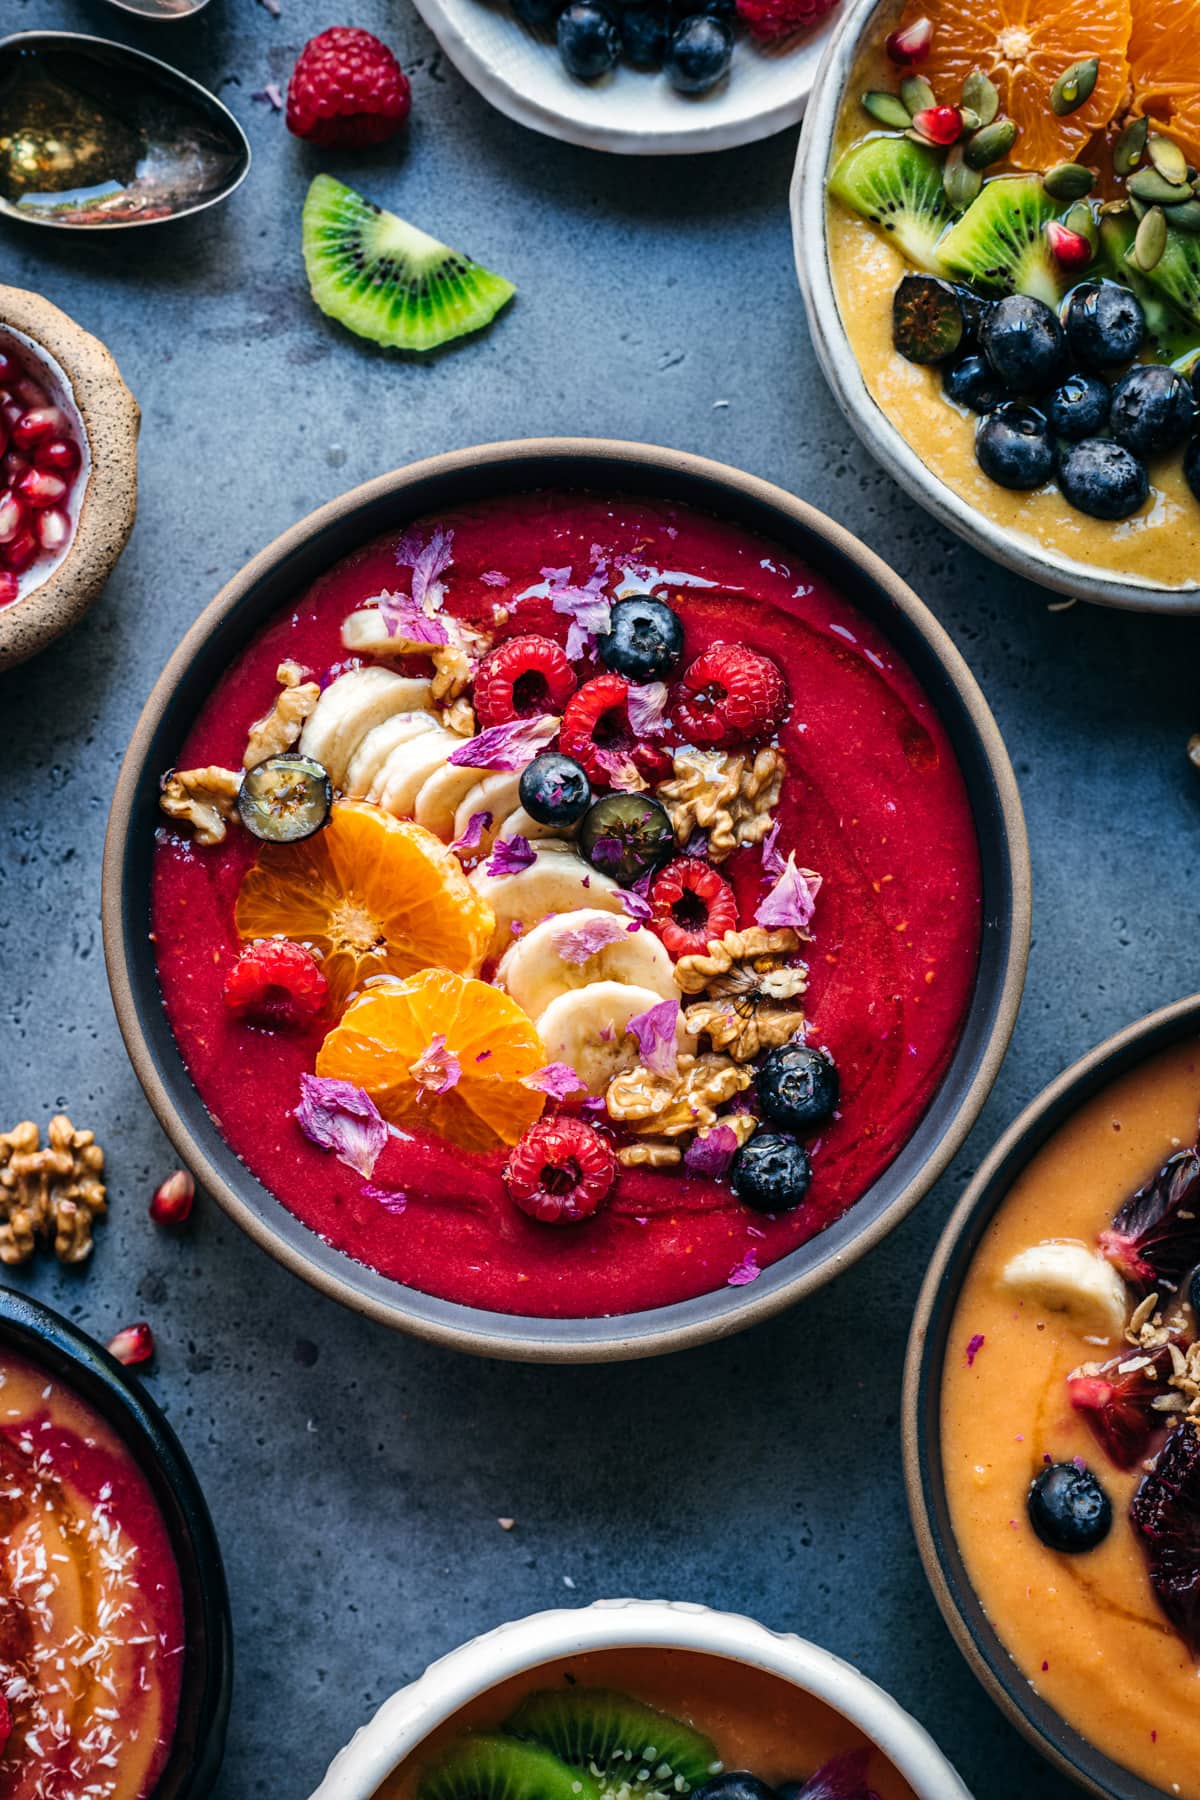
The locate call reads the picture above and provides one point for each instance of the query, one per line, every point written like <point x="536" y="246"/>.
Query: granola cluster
<point x="745" y="991"/>
<point x="49" y="1195"/>
<point x="662" y="1111"/>
<point x="730" y="794"/>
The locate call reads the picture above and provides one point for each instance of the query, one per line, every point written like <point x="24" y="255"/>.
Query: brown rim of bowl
<point x="288" y="565"/>
<point x="978" y="1640"/>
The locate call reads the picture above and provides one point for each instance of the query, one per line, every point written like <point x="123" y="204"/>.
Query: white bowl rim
<point x="840" y="365"/>
<point x="403" y="1722"/>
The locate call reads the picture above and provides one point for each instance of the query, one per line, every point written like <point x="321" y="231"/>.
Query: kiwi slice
<point x="630" y="1748"/>
<point x="897" y="185"/>
<point x="1173" y="335"/>
<point x="1176" y="275"/>
<point x="387" y="281"/>
<point x="1000" y="241"/>
<point x="491" y="1767"/>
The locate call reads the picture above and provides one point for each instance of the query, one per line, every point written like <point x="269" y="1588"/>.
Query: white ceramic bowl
<point x="630" y="111"/>
<point x="404" y="1721"/>
<point x="856" y="25"/>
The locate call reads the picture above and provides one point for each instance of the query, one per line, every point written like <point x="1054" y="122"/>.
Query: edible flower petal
<point x="408" y="623"/>
<point x="843" y="1777"/>
<point x="428" y="563"/>
<point x="792" y="901"/>
<point x="647" y="708"/>
<point x="582" y="941"/>
<point x="745" y="1272"/>
<point x="655" y="1031"/>
<point x="558" y="1080"/>
<point x="712" y="1152"/>
<point x="506" y="747"/>
<point x="773" y="864"/>
<point x="393" y="1200"/>
<point x="337" y="1116"/>
<point x="974" y="1347"/>
<point x="436" y="1069"/>
<point x="477" y="824"/>
<point x="637" y="906"/>
<point x="510" y="855"/>
<point x="585" y="604"/>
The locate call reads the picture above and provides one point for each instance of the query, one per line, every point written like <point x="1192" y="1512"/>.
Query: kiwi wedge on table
<point x="491" y="1767"/>
<point x="897" y="185"/>
<point x="388" y="281"/>
<point x="1000" y="242"/>
<point x="631" y="1749"/>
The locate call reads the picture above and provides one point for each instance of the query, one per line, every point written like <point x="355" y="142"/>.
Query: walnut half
<point x="49" y="1195"/>
<point x="746" y="990"/>
<point x="205" y="799"/>
<point x="729" y="794"/>
<point x="279" y="729"/>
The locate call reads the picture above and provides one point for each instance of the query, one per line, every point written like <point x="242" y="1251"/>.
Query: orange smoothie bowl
<point x="1052" y="1453"/>
<point x="115" y="1637"/>
<point x="547" y="1187"/>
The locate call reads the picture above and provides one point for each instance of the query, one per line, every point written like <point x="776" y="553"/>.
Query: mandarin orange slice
<point x="440" y="1053"/>
<point x="375" y="895"/>
<point x="1164" y="64"/>
<point x="1024" y="46"/>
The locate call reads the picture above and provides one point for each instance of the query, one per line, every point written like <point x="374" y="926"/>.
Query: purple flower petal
<point x="974" y="1347"/>
<point x="337" y="1116"/>
<point x="586" y="604"/>
<point x="494" y="578"/>
<point x="711" y="1154"/>
<point x="773" y="864"/>
<point x="509" y="856"/>
<point x="843" y="1777"/>
<point x="582" y="941"/>
<point x="428" y="562"/>
<point x="655" y="1031"/>
<point x="409" y="623"/>
<point x="697" y="844"/>
<point x="477" y="824"/>
<point x="745" y="1272"/>
<point x="792" y="901"/>
<point x="557" y="1079"/>
<point x="269" y="95"/>
<point x="393" y="1200"/>
<point x="506" y="747"/>
<point x="436" y="1069"/>
<point x="638" y="909"/>
<point x="647" y="709"/>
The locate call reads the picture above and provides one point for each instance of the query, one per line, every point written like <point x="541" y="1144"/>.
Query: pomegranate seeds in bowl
<point x="40" y="460"/>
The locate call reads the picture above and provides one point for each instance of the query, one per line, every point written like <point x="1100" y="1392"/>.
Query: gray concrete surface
<point x="355" y="1477"/>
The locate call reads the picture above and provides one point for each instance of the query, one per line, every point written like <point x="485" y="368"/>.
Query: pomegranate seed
<point x="12" y="466"/>
<point x="9" y="372"/>
<point x="1070" y="249"/>
<point x="38" y="422"/>
<point x="14" y="517"/>
<point x="11" y="410"/>
<point x="133" y="1343"/>
<point x="172" y="1202"/>
<point x="18" y="555"/>
<point x="4" y="434"/>
<point x="53" y="528"/>
<point x="10" y="587"/>
<point x="940" y="125"/>
<point x="60" y="454"/>
<point x="911" y="45"/>
<point x="30" y="393"/>
<point x="42" y="488"/>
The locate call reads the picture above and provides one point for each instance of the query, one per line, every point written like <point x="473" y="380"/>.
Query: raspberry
<point x="597" y="733"/>
<point x="731" y="694"/>
<point x="776" y="18"/>
<point x="560" y="1171"/>
<point x="692" y="904"/>
<point x="347" y="91"/>
<point x="274" y="982"/>
<point x="521" y="678"/>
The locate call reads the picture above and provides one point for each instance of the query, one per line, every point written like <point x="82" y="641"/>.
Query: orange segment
<point x="382" y="1045"/>
<point x="1024" y="46"/>
<point x="1164" y="62"/>
<point x="375" y="895"/>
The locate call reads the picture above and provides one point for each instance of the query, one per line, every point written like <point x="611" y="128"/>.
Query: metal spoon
<point x="160" y="9"/>
<point x="95" y="136"/>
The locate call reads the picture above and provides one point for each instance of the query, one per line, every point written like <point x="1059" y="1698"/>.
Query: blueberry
<point x="588" y="41"/>
<point x="1194" y="1295"/>
<point x="970" y="382"/>
<point x="554" y="789"/>
<point x="1079" y="408"/>
<point x="771" y="1173"/>
<point x="797" y="1087"/>
<point x="735" y="1785"/>
<point x="627" y="835"/>
<point x="1102" y="479"/>
<point x="1191" y="466"/>
<point x="1068" y="1508"/>
<point x="1023" y="341"/>
<point x="1105" y="325"/>
<point x="1153" y="409"/>
<point x="720" y="9"/>
<point x="644" y="35"/>
<point x="539" y="15"/>
<point x="928" y="322"/>
<point x="698" y="53"/>
<point x="644" y="640"/>
<point x="1012" y="446"/>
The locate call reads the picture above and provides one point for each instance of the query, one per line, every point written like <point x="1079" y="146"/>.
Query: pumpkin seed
<point x="981" y="95"/>
<point x="1137" y="207"/>
<point x="1168" y="159"/>
<point x="1127" y="151"/>
<point x="1081" y="221"/>
<point x="1074" y="86"/>
<point x="1149" y="185"/>
<point x="971" y="120"/>
<point x="917" y="94"/>
<point x="886" y="109"/>
<point x="990" y="144"/>
<point x="1113" y="208"/>
<point x="1186" y="217"/>
<point x="962" y="184"/>
<point x="1069" y="181"/>
<point x="1149" y="246"/>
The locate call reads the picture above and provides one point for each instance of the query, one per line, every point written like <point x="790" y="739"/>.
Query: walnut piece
<point x="49" y="1195"/>
<point x="460" y="716"/>
<point x="729" y="794"/>
<point x="279" y="729"/>
<point x="678" y="1105"/>
<point x="746" y="989"/>
<point x="649" y="1153"/>
<point x="205" y="799"/>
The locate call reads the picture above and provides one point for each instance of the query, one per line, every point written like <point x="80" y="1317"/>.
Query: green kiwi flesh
<point x="1000" y="243"/>
<point x="1172" y="334"/>
<point x="1176" y="275"/>
<point x="632" y="1749"/>
<point x="491" y="1767"/>
<point x="387" y="281"/>
<point x="897" y="185"/>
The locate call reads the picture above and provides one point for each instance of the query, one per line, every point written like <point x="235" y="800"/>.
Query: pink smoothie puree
<point x="873" y="801"/>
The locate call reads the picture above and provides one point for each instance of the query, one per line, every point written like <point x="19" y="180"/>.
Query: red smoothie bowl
<point x="119" y="1656"/>
<point x="894" y="789"/>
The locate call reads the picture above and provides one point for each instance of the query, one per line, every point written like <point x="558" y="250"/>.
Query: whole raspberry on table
<point x="347" y="91"/>
<point x="276" y="982"/>
<point x="560" y="1171"/>
<point x="775" y="18"/>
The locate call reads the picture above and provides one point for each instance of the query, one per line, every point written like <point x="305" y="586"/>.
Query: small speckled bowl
<point x="45" y="1338"/>
<point x="85" y="381"/>
<point x="403" y="1722"/>
<point x="973" y="1631"/>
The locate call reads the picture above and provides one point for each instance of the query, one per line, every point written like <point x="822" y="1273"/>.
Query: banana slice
<point x="523" y="824"/>
<point x="350" y="707"/>
<point x="1069" y="1278"/>
<point x="588" y="1028"/>
<point x="496" y="793"/>
<point x="396" y="785"/>
<point x="378" y="745"/>
<point x="535" y="971"/>
<point x="439" y="797"/>
<point x="556" y="881"/>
